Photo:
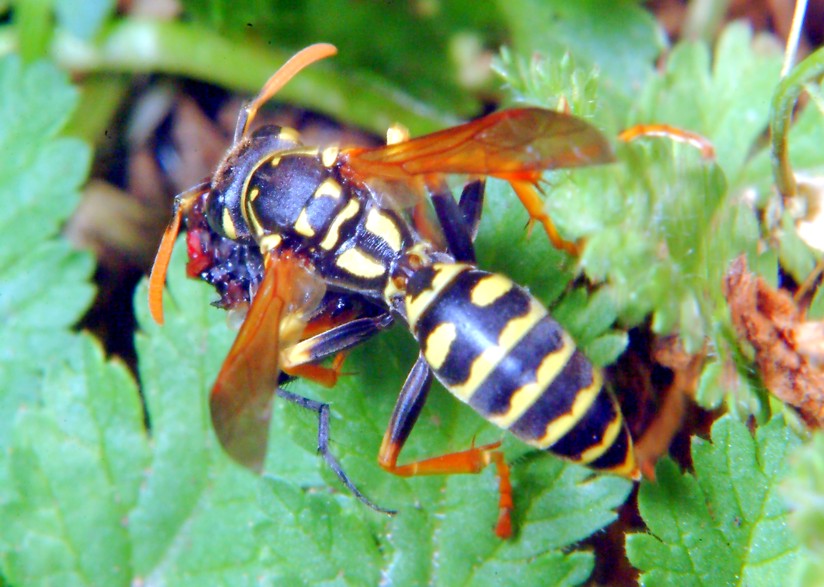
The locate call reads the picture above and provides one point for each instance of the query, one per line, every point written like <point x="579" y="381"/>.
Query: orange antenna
<point x="157" y="279"/>
<point x="695" y="140"/>
<point x="280" y="78"/>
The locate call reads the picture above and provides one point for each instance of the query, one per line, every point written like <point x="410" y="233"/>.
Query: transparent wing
<point x="510" y="144"/>
<point x="241" y="399"/>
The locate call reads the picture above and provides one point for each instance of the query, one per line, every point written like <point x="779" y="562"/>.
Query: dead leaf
<point x="785" y="351"/>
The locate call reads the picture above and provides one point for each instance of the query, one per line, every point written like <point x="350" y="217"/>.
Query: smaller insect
<point x="376" y="232"/>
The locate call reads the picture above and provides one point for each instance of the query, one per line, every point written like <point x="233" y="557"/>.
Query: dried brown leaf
<point x="772" y="323"/>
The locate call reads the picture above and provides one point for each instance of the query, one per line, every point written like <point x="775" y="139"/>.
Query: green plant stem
<point x="783" y="103"/>
<point x="33" y="19"/>
<point x="100" y="98"/>
<point x="135" y="45"/>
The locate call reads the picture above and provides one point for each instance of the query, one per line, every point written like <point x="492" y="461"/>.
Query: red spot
<point x="199" y="260"/>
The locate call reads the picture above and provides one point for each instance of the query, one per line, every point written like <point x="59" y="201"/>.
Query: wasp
<point x="331" y="246"/>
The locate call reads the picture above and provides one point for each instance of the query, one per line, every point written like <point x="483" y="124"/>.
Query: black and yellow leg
<point x="301" y="358"/>
<point x="473" y="461"/>
<point x="322" y="411"/>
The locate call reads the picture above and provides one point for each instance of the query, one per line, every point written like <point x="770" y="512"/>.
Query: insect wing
<point x="512" y="143"/>
<point x="242" y="395"/>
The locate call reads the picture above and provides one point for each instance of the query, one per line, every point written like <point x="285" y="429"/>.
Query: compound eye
<point x="224" y="216"/>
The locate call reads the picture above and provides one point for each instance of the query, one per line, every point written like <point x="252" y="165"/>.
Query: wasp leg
<point x="322" y="410"/>
<point x="407" y="409"/>
<point x="528" y="194"/>
<point x="300" y="359"/>
<point x="472" y="204"/>
<point x="456" y="230"/>
<point x="474" y="460"/>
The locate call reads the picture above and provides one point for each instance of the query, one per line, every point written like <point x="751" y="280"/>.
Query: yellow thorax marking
<point x="302" y="225"/>
<point x="329" y="187"/>
<point x="228" y="224"/>
<point x="381" y="225"/>
<point x="269" y="242"/>
<point x="358" y="263"/>
<point x="289" y="134"/>
<point x="333" y="233"/>
<point x="329" y="155"/>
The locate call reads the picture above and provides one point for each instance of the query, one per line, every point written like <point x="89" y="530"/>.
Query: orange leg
<point x="472" y="461"/>
<point x="534" y="204"/>
<point x="326" y="376"/>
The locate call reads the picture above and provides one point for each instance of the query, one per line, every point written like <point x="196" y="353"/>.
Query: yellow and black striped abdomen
<point x="496" y="348"/>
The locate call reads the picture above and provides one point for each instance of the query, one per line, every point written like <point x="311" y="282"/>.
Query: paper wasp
<point x="377" y="232"/>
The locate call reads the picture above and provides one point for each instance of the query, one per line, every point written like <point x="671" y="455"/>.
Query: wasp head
<point x="230" y="183"/>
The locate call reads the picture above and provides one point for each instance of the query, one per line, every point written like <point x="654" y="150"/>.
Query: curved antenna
<point x="157" y="278"/>
<point x="281" y="77"/>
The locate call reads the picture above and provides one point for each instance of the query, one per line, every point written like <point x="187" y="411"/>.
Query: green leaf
<point x="816" y="311"/>
<point x="606" y="349"/>
<point x="76" y="467"/>
<point x="52" y="428"/>
<point x="804" y="490"/>
<point x="504" y="245"/>
<point x="191" y="522"/>
<point x="621" y="39"/>
<point x="805" y="155"/>
<point x="39" y="172"/>
<point x="307" y="528"/>
<point x="725" y="525"/>
<point x="804" y="76"/>
<point x="43" y="283"/>
<point x="32" y="18"/>
<point x="724" y="96"/>
<point x="662" y="225"/>
<point x="796" y="257"/>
